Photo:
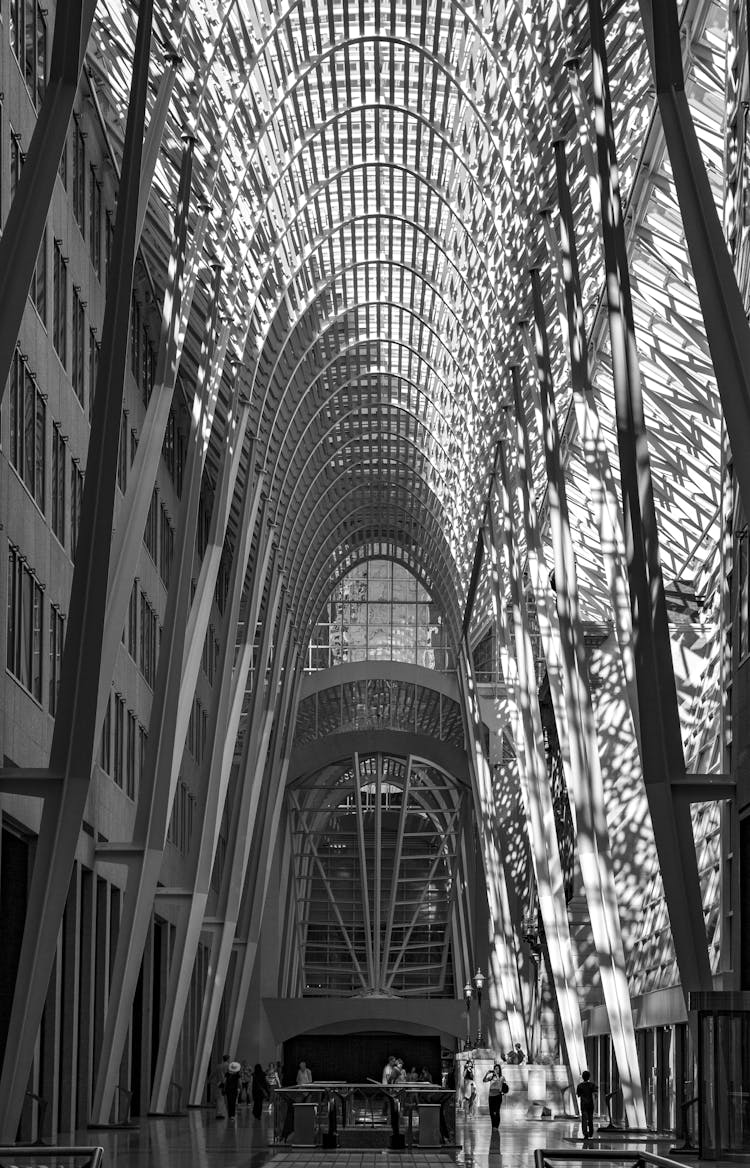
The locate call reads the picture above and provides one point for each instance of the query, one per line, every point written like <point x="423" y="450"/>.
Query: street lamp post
<point x="479" y="980"/>
<point x="467" y="998"/>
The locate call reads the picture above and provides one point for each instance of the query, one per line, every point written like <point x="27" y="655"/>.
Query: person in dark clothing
<point x="259" y="1090"/>
<point x="232" y="1087"/>
<point x="497" y="1088"/>
<point x="586" y="1092"/>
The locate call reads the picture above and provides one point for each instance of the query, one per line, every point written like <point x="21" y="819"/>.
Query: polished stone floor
<point x="198" y="1140"/>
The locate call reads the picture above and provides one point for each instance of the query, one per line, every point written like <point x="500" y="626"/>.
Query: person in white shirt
<point x="304" y="1075"/>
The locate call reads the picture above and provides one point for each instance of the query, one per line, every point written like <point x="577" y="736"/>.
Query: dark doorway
<point x="14" y="871"/>
<point x="355" y="1058"/>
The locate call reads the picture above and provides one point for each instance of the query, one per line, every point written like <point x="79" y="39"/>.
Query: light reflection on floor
<point x="198" y="1140"/>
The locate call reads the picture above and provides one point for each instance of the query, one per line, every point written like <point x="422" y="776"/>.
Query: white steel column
<point x="504" y="956"/>
<point x="144" y="855"/>
<point x="264" y="838"/>
<point x="215" y="780"/>
<point x="244" y="812"/>
<point x="539" y="810"/>
<point x="585" y="777"/>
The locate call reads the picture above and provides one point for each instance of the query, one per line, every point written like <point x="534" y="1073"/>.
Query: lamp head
<point x="479" y="979"/>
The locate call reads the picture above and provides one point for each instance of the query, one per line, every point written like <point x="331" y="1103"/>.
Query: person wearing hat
<point x="232" y="1087"/>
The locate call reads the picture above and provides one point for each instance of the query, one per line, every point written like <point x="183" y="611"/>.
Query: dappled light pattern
<point x="371" y="176"/>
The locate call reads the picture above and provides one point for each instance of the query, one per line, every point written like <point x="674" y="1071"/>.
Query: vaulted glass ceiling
<point x="370" y="174"/>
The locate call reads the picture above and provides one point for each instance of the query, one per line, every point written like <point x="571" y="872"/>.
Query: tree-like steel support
<point x="143" y="856"/>
<point x="504" y="955"/>
<point x="127" y="537"/>
<point x="74" y="735"/>
<point x="265" y="838"/>
<point x="585" y="777"/>
<point x="215" y="782"/>
<point x="727" y="328"/>
<point x="605" y="506"/>
<point x="661" y="742"/>
<point x="23" y="231"/>
<point x="540" y="814"/>
<point x="263" y="719"/>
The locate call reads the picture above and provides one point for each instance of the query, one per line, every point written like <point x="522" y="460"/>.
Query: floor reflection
<point x="199" y="1140"/>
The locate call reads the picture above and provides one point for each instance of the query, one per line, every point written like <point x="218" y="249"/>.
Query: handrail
<point x="546" y="1157"/>
<point x="31" y="1151"/>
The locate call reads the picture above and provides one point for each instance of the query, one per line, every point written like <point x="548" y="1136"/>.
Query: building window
<point x="130" y="757"/>
<point x="105" y="751"/>
<point x="94" y="349"/>
<point x="142" y="744"/>
<point x="58" y="484"/>
<point x="62" y="169"/>
<point x="149" y="367"/>
<point x="16" y="161"/>
<point x="28" y="38"/>
<point x="76" y="498"/>
<point x="133" y="621"/>
<point x="95" y="222"/>
<point x="118" y="761"/>
<point x="78" y="365"/>
<point x="122" y="453"/>
<point x="151" y="530"/>
<point x="79" y="173"/>
<point x="28" y="428"/>
<point x="135" y="339"/>
<point x="149" y="645"/>
<point x="56" y="642"/>
<point x="181" y="822"/>
<point x="38" y="289"/>
<point x="109" y="238"/>
<point x="166" y="549"/>
<point x="60" y="302"/>
<point x="24" y="624"/>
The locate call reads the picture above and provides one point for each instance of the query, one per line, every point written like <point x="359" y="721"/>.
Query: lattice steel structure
<point x="438" y="283"/>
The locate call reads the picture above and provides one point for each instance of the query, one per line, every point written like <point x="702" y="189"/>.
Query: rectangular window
<point x="105" y="752"/>
<point x="56" y="642"/>
<point x="95" y="221"/>
<point x="133" y="621"/>
<point x="79" y="173"/>
<point x="28" y="428"/>
<point x="122" y="454"/>
<point x="135" y="339"/>
<point x="149" y="363"/>
<point x="60" y="302"/>
<point x="142" y="744"/>
<point x="94" y="348"/>
<point x="16" y="161"/>
<point x="58" y="484"/>
<point x="118" y="761"/>
<point x="28" y="38"/>
<point x="24" y="624"/>
<point x="130" y="757"/>
<point x="78" y="365"/>
<point x="76" y="498"/>
<point x="149" y="641"/>
<point x="151" y="531"/>
<point x="38" y="289"/>
<point x="166" y="547"/>
<point x="109" y="238"/>
<point x="62" y="169"/>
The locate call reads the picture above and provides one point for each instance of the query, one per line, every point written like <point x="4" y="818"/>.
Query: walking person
<point x="259" y="1090"/>
<point x="586" y="1092"/>
<point x="497" y="1088"/>
<point x="217" y="1078"/>
<point x="468" y="1087"/>
<point x="232" y="1088"/>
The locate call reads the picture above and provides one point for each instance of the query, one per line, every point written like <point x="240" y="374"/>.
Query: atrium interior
<point x="374" y="483"/>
